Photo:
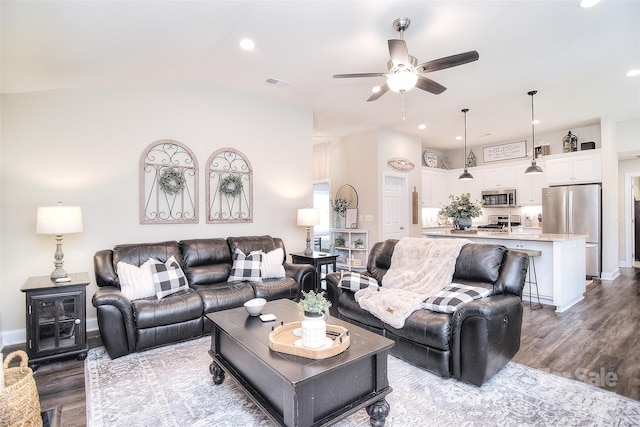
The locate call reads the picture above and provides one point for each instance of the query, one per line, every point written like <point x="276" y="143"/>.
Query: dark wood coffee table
<point x="294" y="390"/>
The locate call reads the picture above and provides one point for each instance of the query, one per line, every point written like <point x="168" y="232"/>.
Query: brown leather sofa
<point x="473" y="343"/>
<point x="129" y="326"/>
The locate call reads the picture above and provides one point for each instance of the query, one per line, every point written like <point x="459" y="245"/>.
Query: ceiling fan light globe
<point x="402" y="81"/>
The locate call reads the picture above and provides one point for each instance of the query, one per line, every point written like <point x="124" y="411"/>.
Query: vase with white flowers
<point x="339" y="206"/>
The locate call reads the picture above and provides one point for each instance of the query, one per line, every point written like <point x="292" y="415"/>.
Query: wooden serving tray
<point x="283" y="340"/>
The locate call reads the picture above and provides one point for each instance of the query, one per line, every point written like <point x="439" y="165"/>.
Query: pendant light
<point x="533" y="169"/>
<point x="465" y="176"/>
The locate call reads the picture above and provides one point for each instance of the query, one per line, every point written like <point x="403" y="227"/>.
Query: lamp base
<point x="308" y="251"/>
<point x="58" y="273"/>
<point x="59" y="257"/>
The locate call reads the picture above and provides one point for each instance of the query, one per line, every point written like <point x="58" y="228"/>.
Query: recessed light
<point x="375" y="89"/>
<point x="458" y="138"/>
<point x="535" y="122"/>
<point x="633" y="73"/>
<point x="589" y="3"/>
<point x="247" y="44"/>
<point x="422" y="126"/>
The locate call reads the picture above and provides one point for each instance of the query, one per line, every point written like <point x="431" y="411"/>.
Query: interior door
<point x="394" y="207"/>
<point x="636" y="221"/>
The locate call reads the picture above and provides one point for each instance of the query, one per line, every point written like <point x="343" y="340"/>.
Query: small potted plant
<point x="462" y="210"/>
<point x="340" y="242"/>
<point x="313" y="327"/>
<point x="358" y="244"/>
<point x="314" y="304"/>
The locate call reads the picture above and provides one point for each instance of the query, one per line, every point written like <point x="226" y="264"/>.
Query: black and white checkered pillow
<point x="356" y="281"/>
<point x="246" y="268"/>
<point x="453" y="295"/>
<point x="168" y="278"/>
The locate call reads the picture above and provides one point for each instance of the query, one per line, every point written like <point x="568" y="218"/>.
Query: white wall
<point x="396" y="144"/>
<point x="82" y="146"/>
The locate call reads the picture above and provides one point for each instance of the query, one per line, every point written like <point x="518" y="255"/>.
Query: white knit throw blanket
<point x="420" y="267"/>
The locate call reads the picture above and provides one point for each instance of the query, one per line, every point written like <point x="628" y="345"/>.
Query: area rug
<point x="171" y="386"/>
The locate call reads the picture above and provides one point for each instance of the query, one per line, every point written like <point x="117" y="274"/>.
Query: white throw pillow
<point x="271" y="266"/>
<point x="136" y="282"/>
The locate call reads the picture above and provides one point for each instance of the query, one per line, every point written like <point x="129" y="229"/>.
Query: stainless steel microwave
<point x="503" y="198"/>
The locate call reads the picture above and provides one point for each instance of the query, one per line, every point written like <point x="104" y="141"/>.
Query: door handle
<point x="401" y="228"/>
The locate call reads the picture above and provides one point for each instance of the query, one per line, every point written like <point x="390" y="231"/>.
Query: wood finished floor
<point x="592" y="341"/>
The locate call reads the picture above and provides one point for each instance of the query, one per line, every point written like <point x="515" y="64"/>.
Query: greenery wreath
<point x="172" y="180"/>
<point x="231" y="185"/>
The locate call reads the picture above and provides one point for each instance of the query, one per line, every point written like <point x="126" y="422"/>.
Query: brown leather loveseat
<point x="471" y="344"/>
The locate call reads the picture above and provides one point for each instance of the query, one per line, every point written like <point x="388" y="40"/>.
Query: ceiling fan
<point x="403" y="72"/>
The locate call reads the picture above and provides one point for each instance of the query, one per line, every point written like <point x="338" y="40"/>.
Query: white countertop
<point x="541" y="237"/>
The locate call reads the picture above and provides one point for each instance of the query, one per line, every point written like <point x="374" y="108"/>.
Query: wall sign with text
<point x="512" y="150"/>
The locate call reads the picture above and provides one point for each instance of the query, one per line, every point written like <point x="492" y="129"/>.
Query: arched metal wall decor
<point x="168" y="184"/>
<point x="229" y="187"/>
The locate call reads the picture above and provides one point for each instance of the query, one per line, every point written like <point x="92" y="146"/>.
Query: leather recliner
<point x="129" y="326"/>
<point x="473" y="343"/>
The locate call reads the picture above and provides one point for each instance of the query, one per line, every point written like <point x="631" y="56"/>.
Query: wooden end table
<point x="56" y="318"/>
<point x="317" y="259"/>
<point x="294" y="390"/>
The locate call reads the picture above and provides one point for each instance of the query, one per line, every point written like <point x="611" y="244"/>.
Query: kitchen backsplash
<point x="528" y="214"/>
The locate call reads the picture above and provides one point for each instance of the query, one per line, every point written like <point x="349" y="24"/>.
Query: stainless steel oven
<point x="503" y="198"/>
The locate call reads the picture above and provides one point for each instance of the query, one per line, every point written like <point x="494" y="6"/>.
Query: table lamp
<point x="308" y="217"/>
<point x="59" y="220"/>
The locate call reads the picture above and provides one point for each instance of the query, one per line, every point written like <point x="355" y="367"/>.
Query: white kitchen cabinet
<point x="352" y="247"/>
<point x="435" y="188"/>
<point x="473" y="187"/>
<point x="574" y="168"/>
<point x="501" y="177"/>
<point x="529" y="187"/>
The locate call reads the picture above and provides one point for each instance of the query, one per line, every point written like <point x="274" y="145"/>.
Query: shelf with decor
<point x="352" y="247"/>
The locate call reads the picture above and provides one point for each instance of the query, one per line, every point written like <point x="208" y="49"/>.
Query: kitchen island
<point x="560" y="269"/>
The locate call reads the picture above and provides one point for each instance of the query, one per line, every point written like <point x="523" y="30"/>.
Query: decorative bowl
<point x="254" y="306"/>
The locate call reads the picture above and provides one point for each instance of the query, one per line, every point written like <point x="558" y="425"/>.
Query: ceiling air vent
<point x="276" y="82"/>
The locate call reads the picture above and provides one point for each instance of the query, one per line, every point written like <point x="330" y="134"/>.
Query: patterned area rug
<point x="171" y="386"/>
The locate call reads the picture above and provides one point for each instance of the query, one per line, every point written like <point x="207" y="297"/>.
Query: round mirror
<point x="349" y="193"/>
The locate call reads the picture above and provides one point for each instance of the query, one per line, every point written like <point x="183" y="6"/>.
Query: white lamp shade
<point x="308" y="217"/>
<point x="402" y="81"/>
<point x="59" y="220"/>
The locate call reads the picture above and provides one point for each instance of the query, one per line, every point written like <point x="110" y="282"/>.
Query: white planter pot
<point x="314" y="331"/>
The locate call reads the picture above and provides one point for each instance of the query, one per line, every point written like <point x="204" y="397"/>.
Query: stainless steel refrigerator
<point x="576" y="209"/>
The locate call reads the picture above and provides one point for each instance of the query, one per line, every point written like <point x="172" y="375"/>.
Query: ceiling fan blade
<point x="448" y="61"/>
<point x="429" y="85"/>
<point x="398" y="52"/>
<point x="383" y="89"/>
<point x="348" y="76"/>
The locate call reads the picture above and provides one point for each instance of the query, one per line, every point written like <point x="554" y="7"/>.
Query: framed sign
<point x="351" y="218"/>
<point x="511" y="150"/>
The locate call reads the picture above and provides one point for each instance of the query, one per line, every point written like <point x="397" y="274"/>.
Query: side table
<point x="317" y="259"/>
<point x="56" y="318"/>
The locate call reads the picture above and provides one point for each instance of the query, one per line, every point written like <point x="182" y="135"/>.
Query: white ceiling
<point x="575" y="58"/>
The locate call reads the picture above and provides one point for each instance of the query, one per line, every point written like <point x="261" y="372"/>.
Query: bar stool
<point x="532" y="263"/>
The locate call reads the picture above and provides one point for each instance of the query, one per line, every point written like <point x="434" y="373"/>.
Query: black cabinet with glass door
<point x="56" y="318"/>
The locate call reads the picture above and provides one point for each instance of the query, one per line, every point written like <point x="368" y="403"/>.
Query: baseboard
<point x="611" y="275"/>
<point x="19" y="336"/>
